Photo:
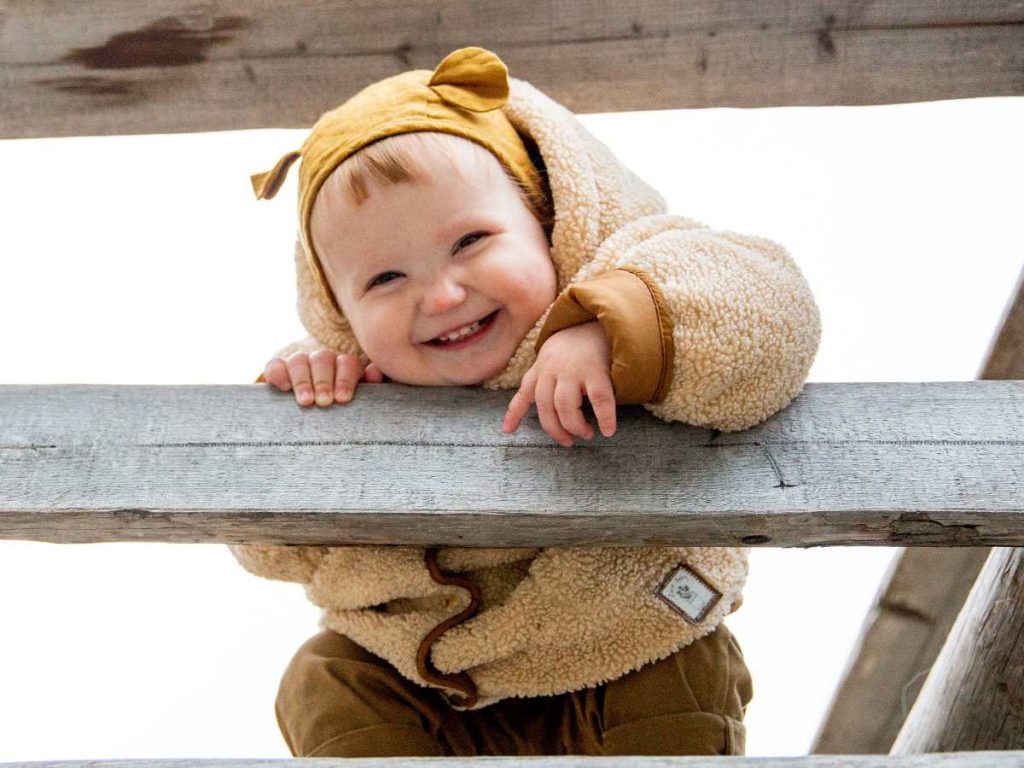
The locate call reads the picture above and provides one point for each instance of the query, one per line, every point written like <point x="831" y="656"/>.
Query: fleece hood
<point x="592" y="194"/>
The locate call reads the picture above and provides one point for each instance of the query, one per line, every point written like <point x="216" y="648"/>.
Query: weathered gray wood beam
<point x="973" y="698"/>
<point x="995" y="759"/>
<point x="164" y="66"/>
<point x="933" y="464"/>
<point x="1004" y="358"/>
<point x="918" y="602"/>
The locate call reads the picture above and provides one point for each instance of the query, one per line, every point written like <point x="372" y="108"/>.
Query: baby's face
<point x="421" y="259"/>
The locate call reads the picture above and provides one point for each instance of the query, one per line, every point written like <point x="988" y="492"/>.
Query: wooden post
<point x="974" y="696"/>
<point x="916" y="607"/>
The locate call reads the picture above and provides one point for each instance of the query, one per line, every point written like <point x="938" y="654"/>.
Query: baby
<point x="458" y="227"/>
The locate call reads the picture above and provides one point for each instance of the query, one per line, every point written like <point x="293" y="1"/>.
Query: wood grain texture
<point x="164" y="66"/>
<point x="995" y="759"/>
<point x="918" y="603"/>
<point x="935" y="463"/>
<point x="916" y="608"/>
<point x="973" y="698"/>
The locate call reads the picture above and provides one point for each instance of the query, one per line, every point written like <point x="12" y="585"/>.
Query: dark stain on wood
<point x="167" y="42"/>
<point x="637" y="28"/>
<point x="401" y="52"/>
<point x="825" y="42"/>
<point x="124" y="91"/>
<point x="702" y="61"/>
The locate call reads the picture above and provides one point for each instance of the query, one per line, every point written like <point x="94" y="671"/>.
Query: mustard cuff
<point x="632" y="311"/>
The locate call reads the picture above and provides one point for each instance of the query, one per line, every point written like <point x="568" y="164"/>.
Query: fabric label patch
<point x="688" y="594"/>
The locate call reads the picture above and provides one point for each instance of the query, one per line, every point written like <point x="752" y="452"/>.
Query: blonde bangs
<point x="390" y="161"/>
<point x="397" y="159"/>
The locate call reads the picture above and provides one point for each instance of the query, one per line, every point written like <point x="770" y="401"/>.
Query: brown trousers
<point x="338" y="700"/>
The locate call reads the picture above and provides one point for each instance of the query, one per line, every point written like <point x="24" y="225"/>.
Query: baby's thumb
<point x="372" y="374"/>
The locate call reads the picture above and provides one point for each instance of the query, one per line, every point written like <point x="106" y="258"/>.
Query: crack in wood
<point x="915" y="526"/>
<point x="775" y="467"/>
<point x="295" y="444"/>
<point x="445" y="444"/>
<point x="907" y="611"/>
<point x="926" y="25"/>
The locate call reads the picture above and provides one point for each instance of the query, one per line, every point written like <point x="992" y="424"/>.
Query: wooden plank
<point x="974" y="695"/>
<point x="994" y="759"/>
<point x="916" y="609"/>
<point x="122" y="67"/>
<point x="934" y="463"/>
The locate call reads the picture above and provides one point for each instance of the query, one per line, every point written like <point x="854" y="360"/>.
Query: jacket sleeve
<point x="632" y="311"/>
<point x="714" y="329"/>
<point x="283" y="562"/>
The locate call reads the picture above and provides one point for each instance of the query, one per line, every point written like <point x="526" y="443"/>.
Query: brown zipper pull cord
<point x="461" y="682"/>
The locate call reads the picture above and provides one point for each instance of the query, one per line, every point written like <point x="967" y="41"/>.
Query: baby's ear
<point x="265" y="185"/>
<point x="472" y="78"/>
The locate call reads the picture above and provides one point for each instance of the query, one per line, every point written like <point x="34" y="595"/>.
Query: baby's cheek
<point x="398" y="359"/>
<point x="534" y="299"/>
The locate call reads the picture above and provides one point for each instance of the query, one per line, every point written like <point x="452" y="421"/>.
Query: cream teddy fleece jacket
<point x="728" y="329"/>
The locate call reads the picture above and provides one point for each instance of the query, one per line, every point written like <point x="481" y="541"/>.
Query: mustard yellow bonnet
<point x="462" y="96"/>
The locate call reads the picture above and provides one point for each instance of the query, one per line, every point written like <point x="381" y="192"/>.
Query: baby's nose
<point x="442" y="295"/>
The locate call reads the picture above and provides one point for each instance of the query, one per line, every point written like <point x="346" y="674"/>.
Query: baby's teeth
<point x="462" y="332"/>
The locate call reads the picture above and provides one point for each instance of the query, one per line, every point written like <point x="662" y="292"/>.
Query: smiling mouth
<point x="485" y="325"/>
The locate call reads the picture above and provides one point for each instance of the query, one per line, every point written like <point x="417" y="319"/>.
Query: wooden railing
<point x="123" y="67"/>
<point x="923" y="464"/>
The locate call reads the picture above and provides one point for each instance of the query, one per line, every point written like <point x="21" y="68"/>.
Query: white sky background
<point x="146" y="259"/>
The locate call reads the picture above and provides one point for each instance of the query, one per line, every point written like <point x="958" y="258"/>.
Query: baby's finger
<point x="373" y="374"/>
<point x="347" y="374"/>
<point x="568" y="405"/>
<point x="276" y="373"/>
<point x="301" y="377"/>
<point x="322" y="364"/>
<point x="546" y="411"/>
<point x="519" y="405"/>
<point x="602" y="400"/>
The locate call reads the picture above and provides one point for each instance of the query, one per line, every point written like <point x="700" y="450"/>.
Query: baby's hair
<point x="396" y="159"/>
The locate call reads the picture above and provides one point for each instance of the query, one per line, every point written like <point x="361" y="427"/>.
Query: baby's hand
<point x="333" y="377"/>
<point x="572" y="362"/>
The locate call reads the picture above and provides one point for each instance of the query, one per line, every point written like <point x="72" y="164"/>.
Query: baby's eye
<point x="378" y="277"/>
<point x="478" y="235"/>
